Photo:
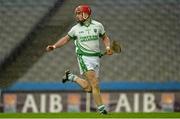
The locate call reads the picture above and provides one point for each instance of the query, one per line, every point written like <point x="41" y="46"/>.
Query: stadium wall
<point x="118" y="96"/>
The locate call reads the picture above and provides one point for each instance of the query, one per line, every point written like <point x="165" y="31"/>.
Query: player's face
<point x="79" y="16"/>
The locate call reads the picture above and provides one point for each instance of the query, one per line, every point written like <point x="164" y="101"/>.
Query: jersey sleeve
<point x="101" y="30"/>
<point x="71" y="33"/>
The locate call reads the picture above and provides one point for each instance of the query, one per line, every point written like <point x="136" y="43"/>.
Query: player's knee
<point x="91" y="75"/>
<point x="87" y="88"/>
<point x="95" y="83"/>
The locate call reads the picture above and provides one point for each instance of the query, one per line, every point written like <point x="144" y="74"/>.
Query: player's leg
<point x="90" y="68"/>
<point x="94" y="82"/>
<point x="74" y="78"/>
<point x="84" y="84"/>
<point x="89" y="85"/>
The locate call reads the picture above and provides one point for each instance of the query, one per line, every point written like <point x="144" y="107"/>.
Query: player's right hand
<point x="50" y="48"/>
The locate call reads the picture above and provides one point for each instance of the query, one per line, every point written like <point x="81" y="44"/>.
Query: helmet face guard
<point x="84" y="10"/>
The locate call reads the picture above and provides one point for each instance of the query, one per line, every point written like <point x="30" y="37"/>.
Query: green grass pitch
<point x="88" y="115"/>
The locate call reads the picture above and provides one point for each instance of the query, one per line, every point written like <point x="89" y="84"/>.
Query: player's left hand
<point x="50" y="48"/>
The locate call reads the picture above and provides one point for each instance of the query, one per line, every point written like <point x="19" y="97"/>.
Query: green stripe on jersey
<point x="80" y="52"/>
<point x="82" y="64"/>
<point x="83" y="51"/>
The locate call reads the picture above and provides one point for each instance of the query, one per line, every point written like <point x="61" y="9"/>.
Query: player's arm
<point x="64" y="40"/>
<point x="107" y="43"/>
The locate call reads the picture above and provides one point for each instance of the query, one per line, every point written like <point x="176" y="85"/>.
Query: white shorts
<point x="87" y="63"/>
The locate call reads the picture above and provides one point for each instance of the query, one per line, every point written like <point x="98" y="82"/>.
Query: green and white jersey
<point x="87" y="38"/>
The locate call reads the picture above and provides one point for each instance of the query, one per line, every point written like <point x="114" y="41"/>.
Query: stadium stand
<point x="147" y="29"/>
<point x="18" y="17"/>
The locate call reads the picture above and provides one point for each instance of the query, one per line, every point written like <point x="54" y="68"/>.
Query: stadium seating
<point x="148" y="31"/>
<point x="18" y="17"/>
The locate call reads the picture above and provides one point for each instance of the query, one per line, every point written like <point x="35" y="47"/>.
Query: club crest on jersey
<point x="95" y="30"/>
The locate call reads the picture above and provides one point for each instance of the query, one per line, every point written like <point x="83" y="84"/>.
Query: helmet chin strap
<point x="85" y="16"/>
